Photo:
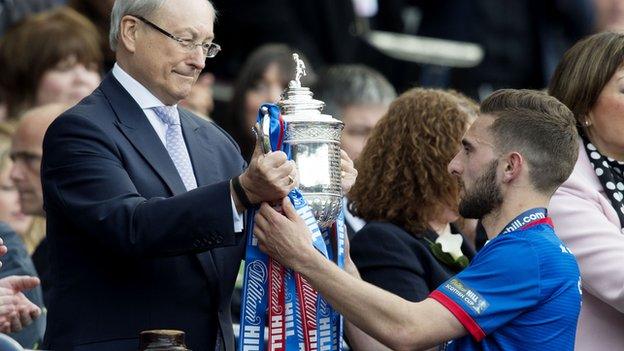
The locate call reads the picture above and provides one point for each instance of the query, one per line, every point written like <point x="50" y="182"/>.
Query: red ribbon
<point x="307" y="305"/>
<point x="277" y="316"/>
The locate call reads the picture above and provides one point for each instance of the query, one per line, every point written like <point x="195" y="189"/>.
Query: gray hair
<point x="341" y="86"/>
<point x="143" y="8"/>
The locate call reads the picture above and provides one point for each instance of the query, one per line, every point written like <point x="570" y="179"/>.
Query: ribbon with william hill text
<point x="298" y="316"/>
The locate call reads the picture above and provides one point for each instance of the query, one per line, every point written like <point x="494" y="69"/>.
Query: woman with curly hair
<point x="408" y="197"/>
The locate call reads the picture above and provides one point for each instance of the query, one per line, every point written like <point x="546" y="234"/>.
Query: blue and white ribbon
<point x="328" y="323"/>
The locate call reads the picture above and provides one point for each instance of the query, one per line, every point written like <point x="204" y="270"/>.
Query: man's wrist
<point x="238" y="206"/>
<point x="350" y="268"/>
<point x="244" y="182"/>
<point x="241" y="197"/>
<point x="309" y="262"/>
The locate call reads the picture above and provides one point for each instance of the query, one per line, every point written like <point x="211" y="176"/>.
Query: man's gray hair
<point x="143" y="8"/>
<point x="341" y="86"/>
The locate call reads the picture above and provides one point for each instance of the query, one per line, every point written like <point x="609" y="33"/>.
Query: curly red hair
<point x="403" y="177"/>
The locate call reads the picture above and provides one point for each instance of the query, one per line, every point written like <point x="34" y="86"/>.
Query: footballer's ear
<point x="513" y="165"/>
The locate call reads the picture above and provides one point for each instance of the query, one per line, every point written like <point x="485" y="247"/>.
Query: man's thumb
<point x="289" y="210"/>
<point x="259" y="149"/>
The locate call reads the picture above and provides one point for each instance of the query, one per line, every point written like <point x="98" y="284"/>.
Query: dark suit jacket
<point x="393" y="259"/>
<point x="130" y="249"/>
<point x="350" y="230"/>
<point x="42" y="264"/>
<point x="18" y="262"/>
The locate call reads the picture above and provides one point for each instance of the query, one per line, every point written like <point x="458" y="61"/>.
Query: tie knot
<point x="167" y="114"/>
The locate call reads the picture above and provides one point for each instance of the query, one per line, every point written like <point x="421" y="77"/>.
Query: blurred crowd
<point x="404" y="122"/>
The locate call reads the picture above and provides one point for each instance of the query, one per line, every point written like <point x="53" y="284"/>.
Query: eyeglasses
<point x="210" y="50"/>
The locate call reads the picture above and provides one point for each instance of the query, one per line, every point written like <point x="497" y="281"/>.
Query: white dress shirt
<point x="147" y="101"/>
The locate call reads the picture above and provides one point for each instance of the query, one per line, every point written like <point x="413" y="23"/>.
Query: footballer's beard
<point x="484" y="197"/>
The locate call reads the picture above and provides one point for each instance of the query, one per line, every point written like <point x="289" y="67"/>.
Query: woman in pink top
<point x="588" y="209"/>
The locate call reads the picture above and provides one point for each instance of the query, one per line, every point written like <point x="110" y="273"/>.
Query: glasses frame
<point x="209" y="50"/>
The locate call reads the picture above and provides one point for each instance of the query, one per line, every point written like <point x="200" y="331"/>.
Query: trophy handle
<point x="262" y="130"/>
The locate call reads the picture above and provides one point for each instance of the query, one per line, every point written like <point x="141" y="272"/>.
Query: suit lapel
<point x="136" y="127"/>
<point x="199" y="150"/>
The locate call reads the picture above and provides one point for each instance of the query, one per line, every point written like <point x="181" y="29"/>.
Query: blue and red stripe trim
<point x="462" y="316"/>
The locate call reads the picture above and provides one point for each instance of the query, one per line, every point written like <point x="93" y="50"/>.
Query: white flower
<point x="451" y="244"/>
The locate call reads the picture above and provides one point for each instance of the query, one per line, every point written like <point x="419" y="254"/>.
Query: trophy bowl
<point x="313" y="141"/>
<point x="315" y="148"/>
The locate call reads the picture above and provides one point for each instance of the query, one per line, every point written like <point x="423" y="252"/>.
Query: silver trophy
<point x="314" y="140"/>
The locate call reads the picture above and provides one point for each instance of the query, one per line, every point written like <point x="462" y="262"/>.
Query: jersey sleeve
<point x="500" y="283"/>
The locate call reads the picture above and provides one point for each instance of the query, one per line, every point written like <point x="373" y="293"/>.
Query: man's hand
<point x="16" y="311"/>
<point x="269" y="177"/>
<point x="349" y="265"/>
<point x="286" y="237"/>
<point x="349" y="173"/>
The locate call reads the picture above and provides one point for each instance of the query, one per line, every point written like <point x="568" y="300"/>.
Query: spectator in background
<point x="408" y="197"/>
<point x="10" y="211"/>
<point x="14" y="224"/>
<point x="34" y="236"/>
<point x="16" y="311"/>
<point x="587" y="209"/>
<point x="359" y="96"/>
<point x="30" y="228"/>
<point x="262" y="79"/>
<point x="26" y="151"/>
<point x="200" y="100"/>
<point x="51" y="57"/>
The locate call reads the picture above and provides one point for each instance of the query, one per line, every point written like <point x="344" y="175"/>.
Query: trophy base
<point x="325" y="207"/>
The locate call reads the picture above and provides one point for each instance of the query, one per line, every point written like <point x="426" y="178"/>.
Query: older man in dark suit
<point x="144" y="200"/>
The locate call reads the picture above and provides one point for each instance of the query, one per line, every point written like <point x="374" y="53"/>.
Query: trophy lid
<point x="297" y="102"/>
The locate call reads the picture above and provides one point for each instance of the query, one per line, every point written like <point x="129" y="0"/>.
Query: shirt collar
<point x="139" y="93"/>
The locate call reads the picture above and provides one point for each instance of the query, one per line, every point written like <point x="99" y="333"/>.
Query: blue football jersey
<point x="522" y="291"/>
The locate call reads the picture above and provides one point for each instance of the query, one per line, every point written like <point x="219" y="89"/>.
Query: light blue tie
<point x="175" y="145"/>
